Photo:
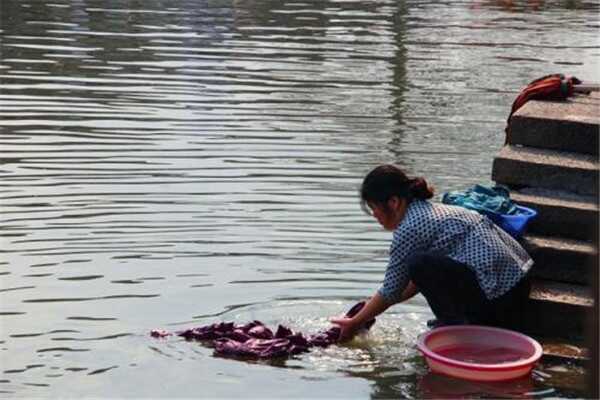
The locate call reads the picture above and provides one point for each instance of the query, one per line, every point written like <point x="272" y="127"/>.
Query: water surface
<point x="166" y="164"/>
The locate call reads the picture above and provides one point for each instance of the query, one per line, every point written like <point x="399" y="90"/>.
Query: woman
<point x="468" y="269"/>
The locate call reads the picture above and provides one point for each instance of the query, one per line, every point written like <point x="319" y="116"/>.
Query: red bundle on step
<point x="549" y="87"/>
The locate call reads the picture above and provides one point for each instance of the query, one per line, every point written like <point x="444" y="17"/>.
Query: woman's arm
<point x="375" y="306"/>
<point x="410" y="291"/>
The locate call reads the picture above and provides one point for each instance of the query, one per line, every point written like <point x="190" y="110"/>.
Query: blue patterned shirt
<point x="499" y="261"/>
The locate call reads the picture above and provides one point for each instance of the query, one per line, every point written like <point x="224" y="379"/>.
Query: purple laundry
<point x="256" y="340"/>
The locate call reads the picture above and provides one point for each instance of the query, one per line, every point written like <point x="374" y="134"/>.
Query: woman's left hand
<point x="347" y="326"/>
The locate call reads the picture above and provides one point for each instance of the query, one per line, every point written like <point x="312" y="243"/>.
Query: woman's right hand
<point x="348" y="328"/>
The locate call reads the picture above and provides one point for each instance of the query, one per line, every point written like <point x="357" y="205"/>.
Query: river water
<point x="167" y="164"/>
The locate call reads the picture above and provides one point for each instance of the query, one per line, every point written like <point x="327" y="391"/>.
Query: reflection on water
<point x="167" y="163"/>
<point x="442" y="387"/>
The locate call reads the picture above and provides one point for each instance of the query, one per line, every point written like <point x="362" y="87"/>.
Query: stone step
<point x="571" y="125"/>
<point x="561" y="214"/>
<point x="561" y="260"/>
<point x="545" y="290"/>
<point x="519" y="167"/>
<point x="586" y="87"/>
<point x="560" y="351"/>
<point x="557" y="309"/>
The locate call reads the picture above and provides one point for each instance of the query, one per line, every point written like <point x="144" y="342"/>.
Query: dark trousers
<point x="455" y="297"/>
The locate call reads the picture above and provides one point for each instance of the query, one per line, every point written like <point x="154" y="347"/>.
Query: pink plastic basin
<point x="479" y="353"/>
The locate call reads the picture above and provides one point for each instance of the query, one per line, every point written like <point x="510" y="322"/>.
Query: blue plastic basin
<point x="516" y="224"/>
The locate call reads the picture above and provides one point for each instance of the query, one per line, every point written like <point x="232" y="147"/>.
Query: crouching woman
<point x="468" y="269"/>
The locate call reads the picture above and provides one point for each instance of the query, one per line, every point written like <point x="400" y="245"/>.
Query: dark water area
<point x="165" y="164"/>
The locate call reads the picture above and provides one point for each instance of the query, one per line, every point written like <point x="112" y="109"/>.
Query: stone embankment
<point x="550" y="163"/>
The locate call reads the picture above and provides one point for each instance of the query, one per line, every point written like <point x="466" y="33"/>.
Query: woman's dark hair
<point x="386" y="181"/>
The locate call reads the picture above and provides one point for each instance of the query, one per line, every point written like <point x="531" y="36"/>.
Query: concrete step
<point x="561" y="214"/>
<point x="561" y="260"/>
<point x="520" y="167"/>
<point x="557" y="309"/>
<point x="572" y="125"/>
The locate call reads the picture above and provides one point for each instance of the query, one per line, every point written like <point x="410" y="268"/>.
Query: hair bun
<point x="420" y="189"/>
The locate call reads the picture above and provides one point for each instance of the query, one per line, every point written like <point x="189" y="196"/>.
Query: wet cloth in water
<point x="256" y="340"/>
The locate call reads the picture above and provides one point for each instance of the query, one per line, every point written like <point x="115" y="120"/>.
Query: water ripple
<point x="75" y="299"/>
